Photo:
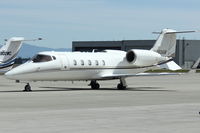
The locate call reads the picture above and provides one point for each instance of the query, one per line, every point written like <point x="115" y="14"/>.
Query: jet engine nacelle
<point x="140" y="58"/>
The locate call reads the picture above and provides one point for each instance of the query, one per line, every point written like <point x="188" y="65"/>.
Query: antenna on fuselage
<point x="94" y="50"/>
<point x="37" y="39"/>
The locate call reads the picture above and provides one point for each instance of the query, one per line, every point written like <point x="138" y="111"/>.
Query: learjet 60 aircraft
<point x="94" y="66"/>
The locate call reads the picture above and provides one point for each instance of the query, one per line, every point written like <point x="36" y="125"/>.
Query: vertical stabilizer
<point x="10" y="49"/>
<point x="166" y="43"/>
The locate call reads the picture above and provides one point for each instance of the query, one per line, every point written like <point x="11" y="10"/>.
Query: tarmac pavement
<point x="149" y="105"/>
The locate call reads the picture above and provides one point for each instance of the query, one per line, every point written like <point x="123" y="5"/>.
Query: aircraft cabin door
<point x="64" y="62"/>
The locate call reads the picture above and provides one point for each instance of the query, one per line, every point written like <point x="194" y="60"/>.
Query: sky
<point x="59" y="22"/>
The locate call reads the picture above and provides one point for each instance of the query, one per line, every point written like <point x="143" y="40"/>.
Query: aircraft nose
<point x="10" y="74"/>
<point x="14" y="73"/>
<point x="20" y="72"/>
<point x="7" y="73"/>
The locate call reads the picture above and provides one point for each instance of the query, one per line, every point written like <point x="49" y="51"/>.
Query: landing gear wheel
<point x="121" y="87"/>
<point x="97" y="86"/>
<point x="94" y="85"/>
<point x="27" y="88"/>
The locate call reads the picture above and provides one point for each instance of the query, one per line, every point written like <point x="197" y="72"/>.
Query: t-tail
<point x="165" y="45"/>
<point x="10" y="50"/>
<point x="8" y="53"/>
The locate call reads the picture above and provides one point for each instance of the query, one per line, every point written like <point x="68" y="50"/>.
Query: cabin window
<point x="41" y="58"/>
<point x="103" y="62"/>
<point x="96" y="62"/>
<point x="75" y="62"/>
<point x="82" y="62"/>
<point x="89" y="62"/>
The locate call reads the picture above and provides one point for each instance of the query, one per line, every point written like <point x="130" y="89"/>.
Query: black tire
<point x="95" y="86"/>
<point x="121" y="87"/>
<point x="27" y="88"/>
<point x="92" y="86"/>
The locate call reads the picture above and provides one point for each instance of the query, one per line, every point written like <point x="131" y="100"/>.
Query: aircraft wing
<point x="138" y="75"/>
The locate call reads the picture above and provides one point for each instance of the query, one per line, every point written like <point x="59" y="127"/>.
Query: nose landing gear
<point x="121" y="86"/>
<point x="27" y="88"/>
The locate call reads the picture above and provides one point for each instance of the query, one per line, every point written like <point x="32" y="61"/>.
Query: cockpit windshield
<point x="41" y="58"/>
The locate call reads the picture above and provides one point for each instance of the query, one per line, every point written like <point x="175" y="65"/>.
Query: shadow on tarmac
<point x="108" y="89"/>
<point x="54" y="89"/>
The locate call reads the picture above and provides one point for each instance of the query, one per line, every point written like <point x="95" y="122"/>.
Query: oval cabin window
<point x="89" y="62"/>
<point x="96" y="62"/>
<point x="103" y="62"/>
<point x="75" y="62"/>
<point x="82" y="62"/>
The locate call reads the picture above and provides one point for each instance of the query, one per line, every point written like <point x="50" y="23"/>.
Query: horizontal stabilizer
<point x="196" y="64"/>
<point x="174" y="32"/>
<point x="170" y="66"/>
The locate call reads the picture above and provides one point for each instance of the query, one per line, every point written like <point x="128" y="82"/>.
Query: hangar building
<point x="187" y="51"/>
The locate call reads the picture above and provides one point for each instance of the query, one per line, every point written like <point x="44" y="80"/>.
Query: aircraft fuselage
<point x="76" y="66"/>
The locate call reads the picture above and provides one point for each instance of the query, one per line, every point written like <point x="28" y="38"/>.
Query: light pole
<point x="184" y="49"/>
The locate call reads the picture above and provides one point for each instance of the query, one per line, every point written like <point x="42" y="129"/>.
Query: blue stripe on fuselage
<point x="11" y="62"/>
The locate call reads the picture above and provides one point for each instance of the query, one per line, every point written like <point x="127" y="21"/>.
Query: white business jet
<point x="93" y="66"/>
<point x="9" y="51"/>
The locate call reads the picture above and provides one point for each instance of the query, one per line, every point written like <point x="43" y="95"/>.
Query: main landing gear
<point x="94" y="84"/>
<point x="122" y="85"/>
<point x="27" y="88"/>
